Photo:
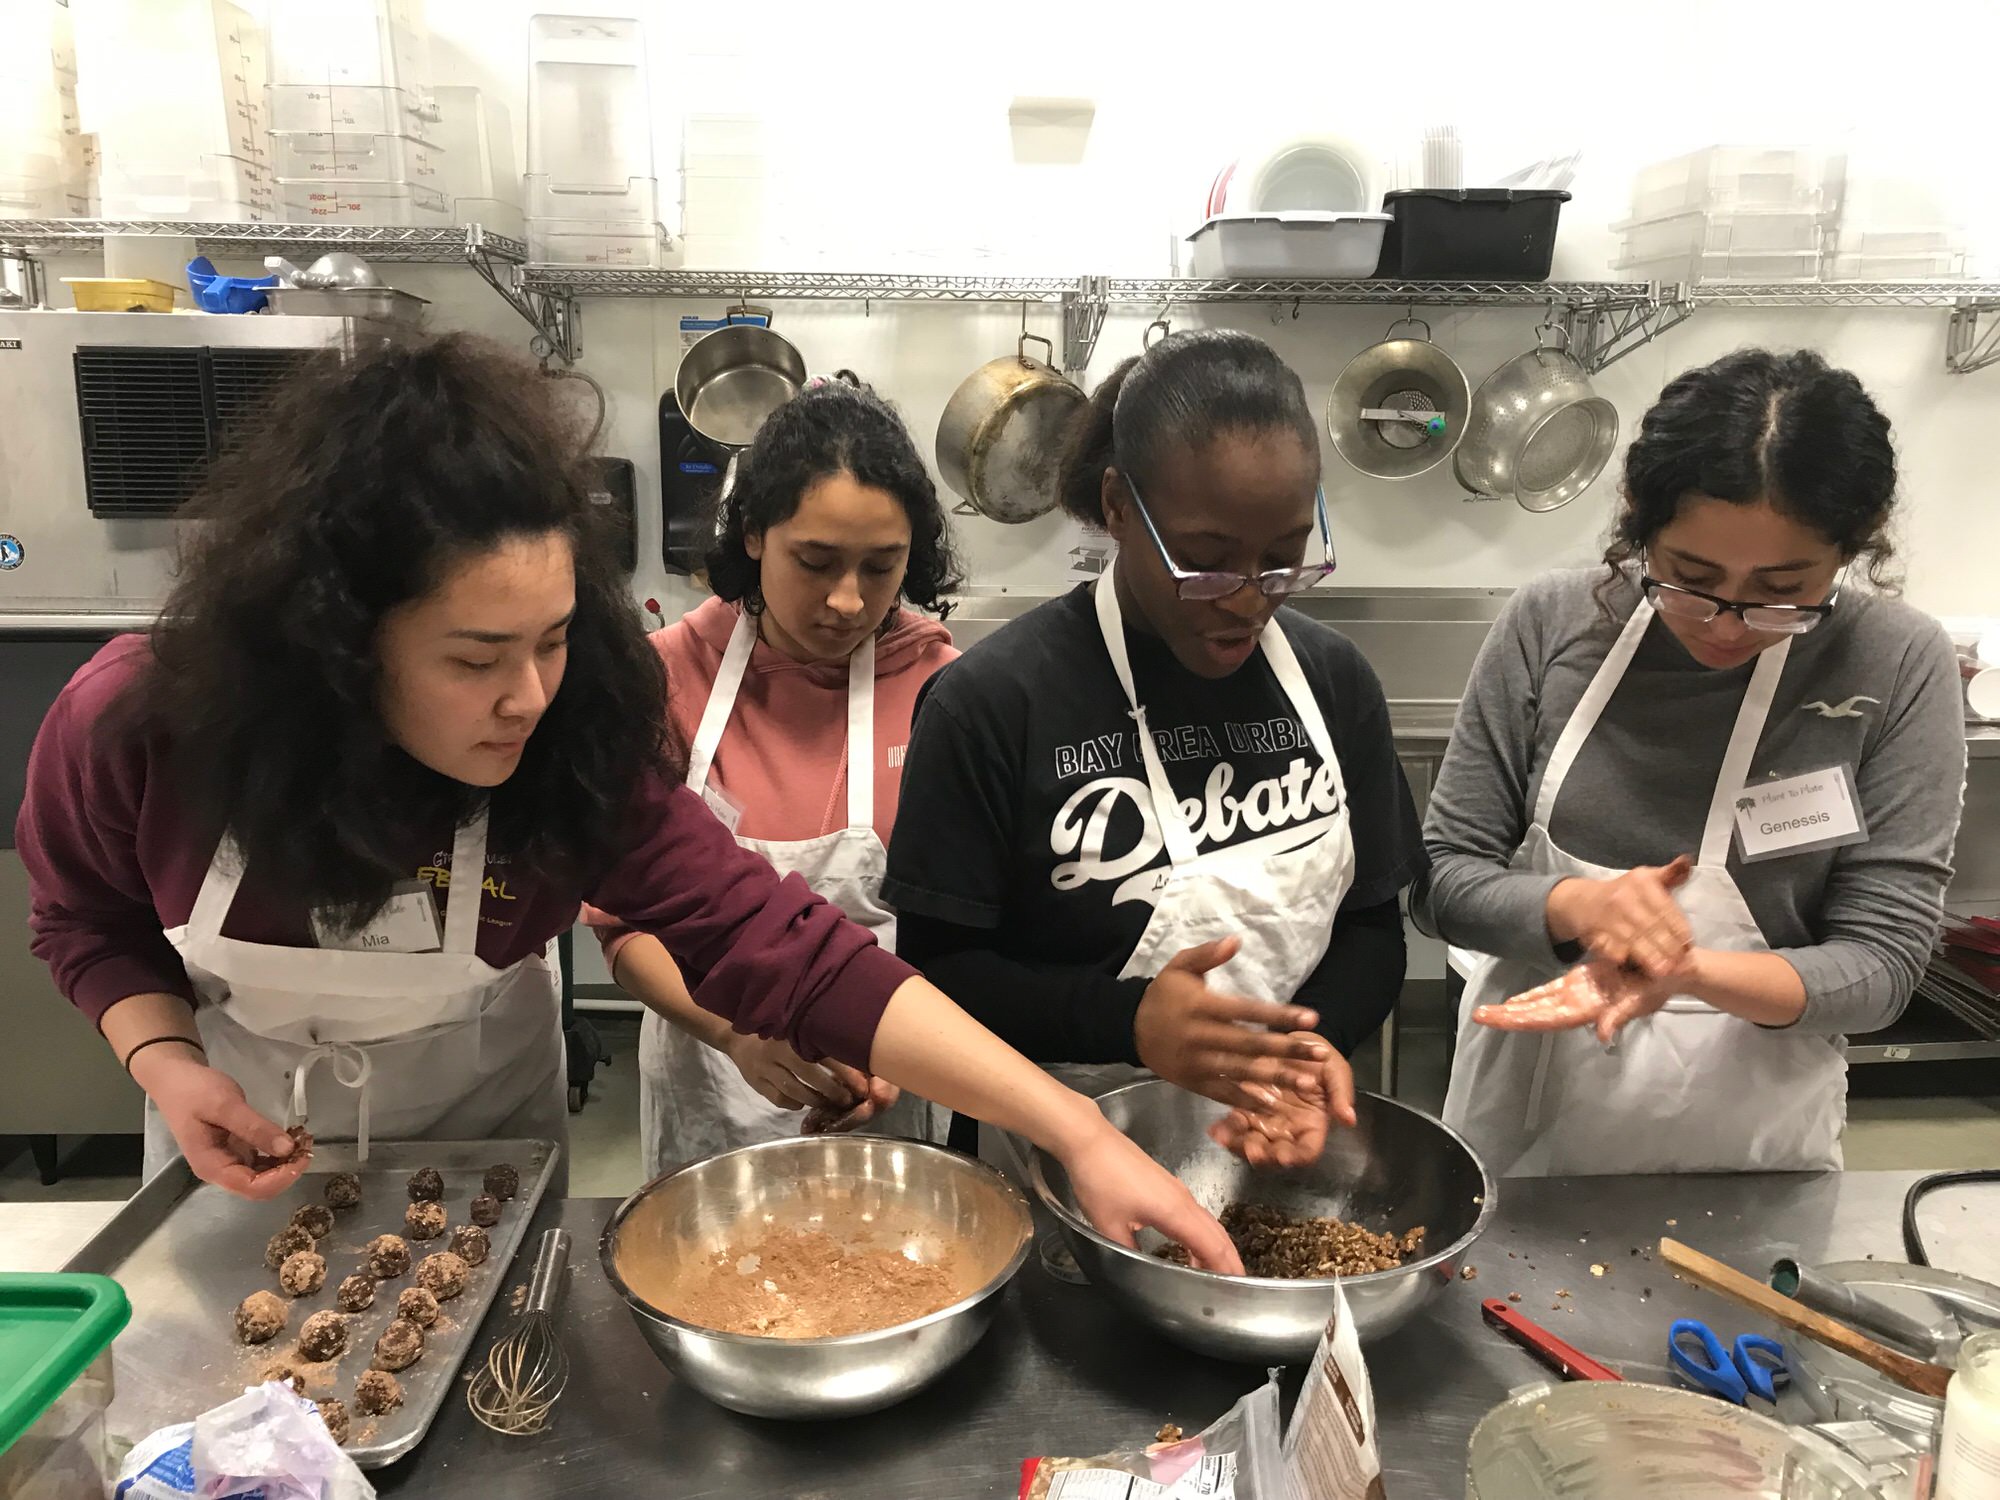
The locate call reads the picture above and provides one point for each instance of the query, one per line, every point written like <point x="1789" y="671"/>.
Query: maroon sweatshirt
<point x="112" y="864"/>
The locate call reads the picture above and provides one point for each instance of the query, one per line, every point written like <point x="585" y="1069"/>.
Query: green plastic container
<point x="55" y="1383"/>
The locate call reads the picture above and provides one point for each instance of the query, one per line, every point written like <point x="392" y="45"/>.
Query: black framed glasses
<point x="1698" y="608"/>
<point x="1211" y="586"/>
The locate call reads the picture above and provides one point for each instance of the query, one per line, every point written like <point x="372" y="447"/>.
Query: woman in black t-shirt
<point x="1152" y="823"/>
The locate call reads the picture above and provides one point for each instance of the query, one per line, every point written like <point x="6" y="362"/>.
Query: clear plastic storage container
<point x="327" y="108"/>
<point x="590" y="123"/>
<point x="393" y="203"/>
<point x="373" y="44"/>
<point x="480" y="178"/>
<point x="1933" y="254"/>
<point x="177" y="96"/>
<point x="592" y="242"/>
<point x="56" y="1384"/>
<point x="1801" y="178"/>
<point x="342" y="156"/>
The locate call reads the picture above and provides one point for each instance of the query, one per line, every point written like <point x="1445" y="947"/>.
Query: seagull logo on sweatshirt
<point x="1847" y="710"/>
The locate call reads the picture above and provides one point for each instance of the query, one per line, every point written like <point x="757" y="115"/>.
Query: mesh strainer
<point x="1536" y="435"/>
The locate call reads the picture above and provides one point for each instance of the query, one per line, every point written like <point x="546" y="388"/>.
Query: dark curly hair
<point x="1186" y="390"/>
<point x="841" y="427"/>
<point x="1756" y="426"/>
<point x="367" y="478"/>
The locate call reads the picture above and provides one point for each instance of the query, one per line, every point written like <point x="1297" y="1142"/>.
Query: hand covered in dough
<point x="1598" y="994"/>
<point x="1287" y="1127"/>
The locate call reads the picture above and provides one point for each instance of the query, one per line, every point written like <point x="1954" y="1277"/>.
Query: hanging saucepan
<point x="731" y="380"/>
<point x="1536" y="435"/>
<point x="1000" y="440"/>
<point x="1399" y="407"/>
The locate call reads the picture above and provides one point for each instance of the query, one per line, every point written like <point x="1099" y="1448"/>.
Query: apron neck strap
<point x="1750" y="719"/>
<point x="1589" y="709"/>
<point x="468" y="885"/>
<point x="218" y="890"/>
<point x="1174" y="831"/>
<point x="861" y="735"/>
<point x="860" y="719"/>
<point x="721" y="700"/>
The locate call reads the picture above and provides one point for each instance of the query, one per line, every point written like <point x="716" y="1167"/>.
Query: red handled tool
<point x="1571" y="1364"/>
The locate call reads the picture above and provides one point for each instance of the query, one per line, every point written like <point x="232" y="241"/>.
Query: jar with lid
<point x="1969" y="1450"/>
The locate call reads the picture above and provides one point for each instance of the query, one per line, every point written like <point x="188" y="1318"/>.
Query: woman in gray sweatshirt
<point x="1721" y="769"/>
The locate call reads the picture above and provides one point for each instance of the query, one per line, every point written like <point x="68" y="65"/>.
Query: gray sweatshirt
<point x="1857" y="922"/>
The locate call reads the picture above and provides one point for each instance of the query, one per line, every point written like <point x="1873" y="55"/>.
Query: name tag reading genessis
<point x="408" y="924"/>
<point x="1815" y="811"/>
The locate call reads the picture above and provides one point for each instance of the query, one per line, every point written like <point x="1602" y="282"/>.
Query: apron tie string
<point x="351" y="1068"/>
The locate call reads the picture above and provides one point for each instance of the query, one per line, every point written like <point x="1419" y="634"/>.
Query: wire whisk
<point x="526" y="1371"/>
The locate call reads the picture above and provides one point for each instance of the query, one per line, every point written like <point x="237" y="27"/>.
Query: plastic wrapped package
<point x="268" y="1443"/>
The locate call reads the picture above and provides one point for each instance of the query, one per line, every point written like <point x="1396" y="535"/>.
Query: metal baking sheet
<point x="187" y="1253"/>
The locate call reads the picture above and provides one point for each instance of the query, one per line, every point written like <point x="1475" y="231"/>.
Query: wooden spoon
<point x="1912" y="1374"/>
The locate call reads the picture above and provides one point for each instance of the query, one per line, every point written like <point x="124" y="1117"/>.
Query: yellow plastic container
<point x="120" y="294"/>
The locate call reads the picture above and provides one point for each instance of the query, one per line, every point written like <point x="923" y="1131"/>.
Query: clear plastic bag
<point x="1238" y="1457"/>
<point x="268" y="1444"/>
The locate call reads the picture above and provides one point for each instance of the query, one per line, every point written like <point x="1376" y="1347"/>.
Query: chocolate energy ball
<point x="470" y="1244"/>
<point x="377" y="1391"/>
<point x="260" y="1316"/>
<point x="388" y="1256"/>
<point x="418" y="1305"/>
<point x="284" y="1374"/>
<point x="334" y="1413"/>
<point x="343" y="1190"/>
<point x="316" y="1219"/>
<point x="356" y="1294"/>
<point x="401" y="1342"/>
<point x="423" y="1221"/>
<point x="503" y="1181"/>
<point x="426" y="1185"/>
<point x="302" y="1150"/>
<point x="443" y="1275"/>
<point x="324" y="1337"/>
<point x="285" y="1243"/>
<point x="486" y="1210"/>
<point x="303" y="1273"/>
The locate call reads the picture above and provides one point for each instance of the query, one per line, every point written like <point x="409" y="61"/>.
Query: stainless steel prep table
<point x="1064" y="1372"/>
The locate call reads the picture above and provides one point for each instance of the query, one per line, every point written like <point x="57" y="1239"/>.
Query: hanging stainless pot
<point x="734" y="378"/>
<point x="1000" y="440"/>
<point x="1536" y="434"/>
<point x="1399" y="408"/>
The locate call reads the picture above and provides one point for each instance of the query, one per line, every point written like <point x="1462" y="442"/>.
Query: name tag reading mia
<point x="1815" y="811"/>
<point x="408" y="924"/>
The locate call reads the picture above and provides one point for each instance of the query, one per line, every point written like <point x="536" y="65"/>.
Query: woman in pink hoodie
<point x="802" y="670"/>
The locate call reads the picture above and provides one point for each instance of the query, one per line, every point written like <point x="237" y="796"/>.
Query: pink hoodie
<point x="783" y="757"/>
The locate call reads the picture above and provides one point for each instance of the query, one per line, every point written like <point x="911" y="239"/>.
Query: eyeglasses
<point x="1211" y="586"/>
<point x="1698" y="608"/>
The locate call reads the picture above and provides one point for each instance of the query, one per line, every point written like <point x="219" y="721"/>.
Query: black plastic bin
<point x="1470" y="234"/>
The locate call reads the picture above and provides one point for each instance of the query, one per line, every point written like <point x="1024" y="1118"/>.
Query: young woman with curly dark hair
<point x="1724" y="771"/>
<point x="303" y="851"/>
<point x="801" y="674"/>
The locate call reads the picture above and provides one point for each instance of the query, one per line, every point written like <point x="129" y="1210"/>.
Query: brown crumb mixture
<point x="1169" y="1433"/>
<point x="802" y="1284"/>
<point x="1284" y="1246"/>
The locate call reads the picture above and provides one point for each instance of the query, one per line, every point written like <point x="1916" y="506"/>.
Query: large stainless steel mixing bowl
<point x="869" y="1190"/>
<point x="1396" y="1169"/>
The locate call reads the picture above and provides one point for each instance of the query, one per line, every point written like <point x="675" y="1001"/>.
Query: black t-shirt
<point x="1024" y="809"/>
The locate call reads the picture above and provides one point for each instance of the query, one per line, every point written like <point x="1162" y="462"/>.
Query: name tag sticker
<point x="722" y="807"/>
<point x="1815" y="811"/>
<point x="408" y="924"/>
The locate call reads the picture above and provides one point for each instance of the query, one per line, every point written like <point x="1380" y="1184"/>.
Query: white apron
<point x="1281" y="905"/>
<point x="1688" y="1089"/>
<point x="692" y="1101"/>
<point x="416" y="1046"/>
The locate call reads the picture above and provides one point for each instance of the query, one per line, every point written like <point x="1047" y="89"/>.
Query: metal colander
<point x="1537" y="435"/>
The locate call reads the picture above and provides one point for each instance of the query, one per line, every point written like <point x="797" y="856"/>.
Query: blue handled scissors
<point x="1753" y="1366"/>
